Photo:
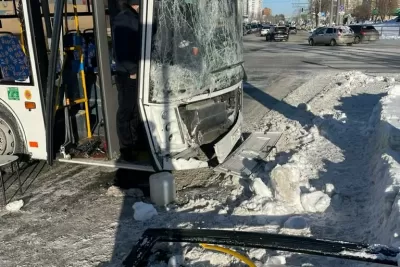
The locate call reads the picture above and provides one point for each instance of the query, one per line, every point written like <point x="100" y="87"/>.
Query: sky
<point x="279" y="6"/>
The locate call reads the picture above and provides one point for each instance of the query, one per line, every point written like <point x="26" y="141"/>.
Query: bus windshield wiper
<point x="227" y="67"/>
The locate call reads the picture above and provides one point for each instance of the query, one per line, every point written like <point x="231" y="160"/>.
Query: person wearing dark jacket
<point x="126" y="46"/>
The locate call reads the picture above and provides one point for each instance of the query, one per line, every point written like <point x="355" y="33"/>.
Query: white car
<point x="265" y="30"/>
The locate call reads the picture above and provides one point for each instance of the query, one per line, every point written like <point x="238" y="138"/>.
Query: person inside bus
<point x="126" y="46"/>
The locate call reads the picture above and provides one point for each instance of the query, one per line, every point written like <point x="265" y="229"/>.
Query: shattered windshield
<point x="197" y="48"/>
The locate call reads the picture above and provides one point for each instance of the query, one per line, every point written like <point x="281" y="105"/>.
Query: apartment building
<point x="245" y="8"/>
<point x="254" y="9"/>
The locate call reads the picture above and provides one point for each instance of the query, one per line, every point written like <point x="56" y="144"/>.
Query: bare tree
<point x="385" y="7"/>
<point x="362" y="12"/>
<point x="325" y="7"/>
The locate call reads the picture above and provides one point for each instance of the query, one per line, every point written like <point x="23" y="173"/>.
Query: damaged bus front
<point x="192" y="95"/>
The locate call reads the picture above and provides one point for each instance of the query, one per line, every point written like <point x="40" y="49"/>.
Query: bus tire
<point x="11" y="138"/>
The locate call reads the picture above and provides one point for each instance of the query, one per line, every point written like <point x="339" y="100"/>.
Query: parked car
<point x="279" y="33"/>
<point x="310" y="32"/>
<point x="246" y="30"/>
<point x="364" y="33"/>
<point x="265" y="30"/>
<point x="340" y="35"/>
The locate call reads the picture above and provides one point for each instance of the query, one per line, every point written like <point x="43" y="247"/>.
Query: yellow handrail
<point x="230" y="252"/>
<point x="22" y="38"/>
<point x="82" y="71"/>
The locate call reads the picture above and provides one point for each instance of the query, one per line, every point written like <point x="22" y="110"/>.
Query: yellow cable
<point x="230" y="252"/>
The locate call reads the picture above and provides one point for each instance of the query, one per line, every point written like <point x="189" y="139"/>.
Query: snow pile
<point x="388" y="36"/>
<point x="317" y="183"/>
<point x="15" y="206"/>
<point x="385" y="167"/>
<point x="315" y="202"/>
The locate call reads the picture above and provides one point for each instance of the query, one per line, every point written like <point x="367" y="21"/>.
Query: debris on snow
<point x="380" y="78"/>
<point x="277" y="260"/>
<point x="258" y="254"/>
<point x="200" y="205"/>
<point x="285" y="183"/>
<point x="143" y="211"/>
<point x="200" y="257"/>
<point x="329" y="189"/>
<point x="260" y="188"/>
<point x="315" y="202"/>
<point x="176" y="261"/>
<point x="15" y="206"/>
<point x="389" y="79"/>
<point x="115" y="191"/>
<point x="296" y="222"/>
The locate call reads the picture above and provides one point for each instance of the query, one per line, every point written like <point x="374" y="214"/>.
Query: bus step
<point x="118" y="164"/>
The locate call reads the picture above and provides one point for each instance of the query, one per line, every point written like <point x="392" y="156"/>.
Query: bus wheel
<point x="11" y="141"/>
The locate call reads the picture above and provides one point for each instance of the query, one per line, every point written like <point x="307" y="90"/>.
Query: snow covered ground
<point x="335" y="174"/>
<point x="388" y="31"/>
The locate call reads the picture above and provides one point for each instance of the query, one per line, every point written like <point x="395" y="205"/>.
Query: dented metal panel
<point x="254" y="149"/>
<point x="226" y="144"/>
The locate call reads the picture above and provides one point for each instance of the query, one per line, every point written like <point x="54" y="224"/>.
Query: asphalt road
<point x="274" y="69"/>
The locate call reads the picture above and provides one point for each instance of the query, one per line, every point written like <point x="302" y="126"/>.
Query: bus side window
<point x="14" y="64"/>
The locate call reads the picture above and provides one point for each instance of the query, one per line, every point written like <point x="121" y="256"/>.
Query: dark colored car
<point x="279" y="33"/>
<point x="364" y="33"/>
<point x="293" y="30"/>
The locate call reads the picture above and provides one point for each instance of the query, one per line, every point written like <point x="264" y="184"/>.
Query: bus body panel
<point x="13" y="97"/>
<point x="30" y="122"/>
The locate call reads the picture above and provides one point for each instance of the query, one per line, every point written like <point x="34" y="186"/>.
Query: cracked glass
<point x="196" y="48"/>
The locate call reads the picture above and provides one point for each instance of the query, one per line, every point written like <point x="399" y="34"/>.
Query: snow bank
<point x="318" y="181"/>
<point x="385" y="168"/>
<point x="389" y="37"/>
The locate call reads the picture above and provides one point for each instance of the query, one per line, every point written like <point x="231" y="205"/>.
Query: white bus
<point x="190" y="87"/>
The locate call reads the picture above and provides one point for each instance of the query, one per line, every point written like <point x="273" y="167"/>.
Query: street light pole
<point x="320" y="11"/>
<point x="331" y="14"/>
<point x="337" y="12"/>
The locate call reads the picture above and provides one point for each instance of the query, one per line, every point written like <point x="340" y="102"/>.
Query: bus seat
<point x="14" y="64"/>
<point x="71" y="39"/>
<point x="91" y="56"/>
